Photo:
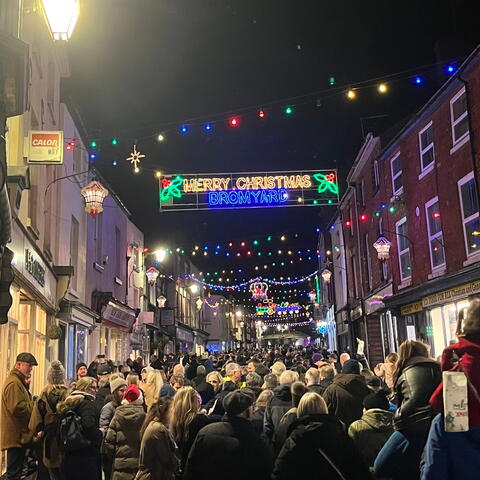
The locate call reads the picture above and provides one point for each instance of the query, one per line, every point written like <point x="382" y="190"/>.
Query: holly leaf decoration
<point x="172" y="190"/>
<point x="325" y="184"/>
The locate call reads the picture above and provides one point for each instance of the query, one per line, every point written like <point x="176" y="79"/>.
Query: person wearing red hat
<point x="122" y="442"/>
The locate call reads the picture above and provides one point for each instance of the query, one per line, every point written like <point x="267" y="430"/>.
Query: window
<point x="469" y="205"/>
<point x="435" y="236"/>
<point x="403" y="249"/>
<point x="397" y="181"/>
<point x="459" y="114"/>
<point x="74" y="231"/>
<point x="425" y="142"/>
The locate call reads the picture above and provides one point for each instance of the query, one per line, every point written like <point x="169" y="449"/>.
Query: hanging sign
<point x="217" y="191"/>
<point x="45" y="148"/>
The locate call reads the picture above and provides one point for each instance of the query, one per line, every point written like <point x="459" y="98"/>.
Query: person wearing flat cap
<point x="17" y="405"/>
<point x="232" y="444"/>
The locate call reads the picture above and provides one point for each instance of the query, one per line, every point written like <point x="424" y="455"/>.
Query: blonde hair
<point x="153" y="384"/>
<point x="288" y="377"/>
<point x="278" y="368"/>
<point x="219" y="378"/>
<point x="132" y="379"/>
<point x="178" y="370"/>
<point x="184" y="409"/>
<point x="310" y="404"/>
<point x="263" y="399"/>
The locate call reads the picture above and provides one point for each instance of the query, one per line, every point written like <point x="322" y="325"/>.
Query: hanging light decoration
<point x="61" y="16"/>
<point x="94" y="194"/>
<point x="382" y="246"/>
<point x="161" y="300"/>
<point x="326" y="275"/>
<point x="152" y="274"/>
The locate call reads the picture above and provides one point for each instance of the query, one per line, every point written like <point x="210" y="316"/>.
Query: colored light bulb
<point x="208" y="127"/>
<point x="234" y="121"/>
<point x="93" y="144"/>
<point x="184" y="129"/>
<point x="114" y="141"/>
<point x="351" y="95"/>
<point x="382" y="88"/>
<point x="418" y="80"/>
<point x="450" y="69"/>
<point x="288" y="110"/>
<point x="261" y="114"/>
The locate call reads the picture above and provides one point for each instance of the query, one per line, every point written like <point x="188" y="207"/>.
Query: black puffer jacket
<point x="418" y="380"/>
<point x="301" y="455"/>
<point x="277" y="406"/>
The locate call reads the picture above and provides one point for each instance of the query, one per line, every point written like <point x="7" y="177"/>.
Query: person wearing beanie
<point x="372" y="431"/>
<point x="44" y="420"/>
<point x="316" y="358"/>
<point x="122" y="441"/>
<point x="81" y="370"/>
<point x="344" y="396"/>
<point x="228" y="443"/>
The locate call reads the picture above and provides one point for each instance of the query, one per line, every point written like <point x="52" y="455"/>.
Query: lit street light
<point x="62" y="16"/>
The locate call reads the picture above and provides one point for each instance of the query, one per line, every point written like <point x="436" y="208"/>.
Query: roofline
<point x="472" y="60"/>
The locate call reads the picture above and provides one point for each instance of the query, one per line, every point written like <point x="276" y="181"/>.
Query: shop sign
<point x="307" y="188"/>
<point x="411" y="308"/>
<point x="375" y="302"/>
<point x="45" y="148"/>
<point x="118" y="316"/>
<point x="184" y="335"/>
<point x="166" y="317"/>
<point x="357" y="312"/>
<point x="452" y="294"/>
<point x="34" y="267"/>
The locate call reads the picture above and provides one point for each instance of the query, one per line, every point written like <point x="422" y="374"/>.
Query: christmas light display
<point x="94" y="194"/>
<point x="135" y="158"/>
<point x="259" y="290"/>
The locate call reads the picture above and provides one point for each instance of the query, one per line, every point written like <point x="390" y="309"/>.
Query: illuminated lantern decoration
<point x="161" y="300"/>
<point x="382" y="246"/>
<point x="61" y="15"/>
<point x="94" y="194"/>
<point x="152" y="275"/>
<point x="326" y="275"/>
<point x="259" y="290"/>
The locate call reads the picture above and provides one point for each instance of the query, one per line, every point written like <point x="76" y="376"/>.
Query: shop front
<point x="184" y="340"/>
<point x="32" y="313"/>
<point x="343" y="336"/>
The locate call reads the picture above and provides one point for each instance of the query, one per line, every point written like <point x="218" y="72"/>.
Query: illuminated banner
<point x="248" y="190"/>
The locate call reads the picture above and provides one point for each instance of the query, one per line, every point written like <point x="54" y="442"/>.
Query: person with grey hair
<point x="254" y="382"/>
<point x="233" y="373"/>
<point x="201" y="385"/>
<point x="270" y="381"/>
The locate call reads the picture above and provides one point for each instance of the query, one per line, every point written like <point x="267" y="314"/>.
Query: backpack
<point x="72" y="436"/>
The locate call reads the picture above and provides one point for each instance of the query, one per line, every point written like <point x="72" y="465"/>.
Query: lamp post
<point x="61" y="16"/>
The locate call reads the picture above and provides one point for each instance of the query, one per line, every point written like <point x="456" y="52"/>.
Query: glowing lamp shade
<point x="94" y="194"/>
<point x="326" y="275"/>
<point x="62" y="16"/>
<point x="160" y="255"/>
<point x="161" y="300"/>
<point x="382" y="246"/>
<point x="152" y="274"/>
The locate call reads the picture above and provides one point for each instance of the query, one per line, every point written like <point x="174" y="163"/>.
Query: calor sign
<point x="45" y="147"/>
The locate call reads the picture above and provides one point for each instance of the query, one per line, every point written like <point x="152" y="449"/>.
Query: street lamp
<point x="382" y="246"/>
<point x="194" y="288"/>
<point x="61" y="16"/>
<point x="152" y="274"/>
<point x="160" y="255"/>
<point x="94" y="194"/>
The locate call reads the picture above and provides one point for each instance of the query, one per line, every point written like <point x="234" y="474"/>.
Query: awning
<point x="76" y="312"/>
<point x="118" y="315"/>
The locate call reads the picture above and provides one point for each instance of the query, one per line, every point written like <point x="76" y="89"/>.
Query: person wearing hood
<point x="201" y="385"/>
<point x="416" y="377"/>
<point x="122" y="441"/>
<point x="45" y="419"/>
<point x="279" y="404"/>
<point x="344" y="397"/>
<point x="84" y="462"/>
<point x="372" y="431"/>
<point x="232" y="446"/>
<point x="318" y="447"/>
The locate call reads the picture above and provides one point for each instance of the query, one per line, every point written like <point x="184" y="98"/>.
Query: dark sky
<point x="139" y="65"/>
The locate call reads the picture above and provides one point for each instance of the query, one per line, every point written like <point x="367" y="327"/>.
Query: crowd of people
<point x="276" y="413"/>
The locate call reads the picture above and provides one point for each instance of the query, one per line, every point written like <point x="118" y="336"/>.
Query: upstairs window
<point x="425" y="141"/>
<point x="435" y="234"/>
<point x="459" y="115"/>
<point x="397" y="180"/>
<point x="403" y="246"/>
<point x="469" y="205"/>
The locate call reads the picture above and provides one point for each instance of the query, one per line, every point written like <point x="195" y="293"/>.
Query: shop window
<point x="425" y="141"/>
<point x="469" y="206"/>
<point x="397" y="179"/>
<point x="459" y="116"/>
<point x="435" y="235"/>
<point x="401" y="229"/>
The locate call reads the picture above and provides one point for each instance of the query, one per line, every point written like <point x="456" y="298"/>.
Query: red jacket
<point x="468" y="354"/>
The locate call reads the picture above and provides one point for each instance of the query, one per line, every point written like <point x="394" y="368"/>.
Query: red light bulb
<point x="363" y="217"/>
<point x="348" y="223"/>
<point x="69" y="146"/>
<point x="261" y="114"/>
<point x="234" y="121"/>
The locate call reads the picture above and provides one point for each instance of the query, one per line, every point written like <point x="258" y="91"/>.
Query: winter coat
<point x="257" y="419"/>
<point x="83" y="405"/>
<point x="103" y="396"/>
<point x="262" y="370"/>
<point x="344" y="397"/>
<point x="217" y="403"/>
<point x="284" y="428"/>
<point x="277" y="406"/>
<point x="318" y="388"/>
<point x="167" y="391"/>
<point x="385" y="372"/>
<point x="44" y="423"/>
<point x="453" y="455"/>
<point x="158" y="459"/>
<point x="204" y="389"/>
<point x="468" y="355"/>
<point x="301" y="455"/>
<point x="237" y="452"/>
<point x="17" y="405"/>
<point x="122" y="441"/>
<point x="414" y="387"/>
<point x="371" y="432"/>
<point x="106" y="415"/>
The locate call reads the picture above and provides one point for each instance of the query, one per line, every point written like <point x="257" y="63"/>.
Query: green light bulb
<point x="391" y="209"/>
<point x="269" y="238"/>
<point x="377" y="214"/>
<point x="288" y="110"/>
<point x="315" y="202"/>
<point x="114" y="141"/>
<point x="255" y="242"/>
<point x="93" y="144"/>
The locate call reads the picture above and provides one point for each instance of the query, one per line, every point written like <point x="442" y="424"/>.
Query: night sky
<point x="144" y="66"/>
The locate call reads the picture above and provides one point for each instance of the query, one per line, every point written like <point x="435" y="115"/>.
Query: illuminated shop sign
<point x="248" y="190"/>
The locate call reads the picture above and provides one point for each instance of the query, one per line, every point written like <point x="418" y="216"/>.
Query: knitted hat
<point x="79" y="366"/>
<point x="351" y="366"/>
<point x="104" y="369"/>
<point x="316" y="357"/>
<point x="132" y="393"/>
<point x="116" y="381"/>
<point x="56" y="373"/>
<point x="376" y="400"/>
<point x="238" y="401"/>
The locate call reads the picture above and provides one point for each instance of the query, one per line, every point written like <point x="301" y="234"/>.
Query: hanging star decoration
<point x="135" y="157"/>
<point x="170" y="188"/>
<point x="326" y="182"/>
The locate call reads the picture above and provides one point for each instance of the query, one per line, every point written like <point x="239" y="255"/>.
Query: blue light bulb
<point x="208" y="127"/>
<point x="184" y="129"/>
<point x="418" y="80"/>
<point x="93" y="156"/>
<point x="114" y="163"/>
<point x="450" y="69"/>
